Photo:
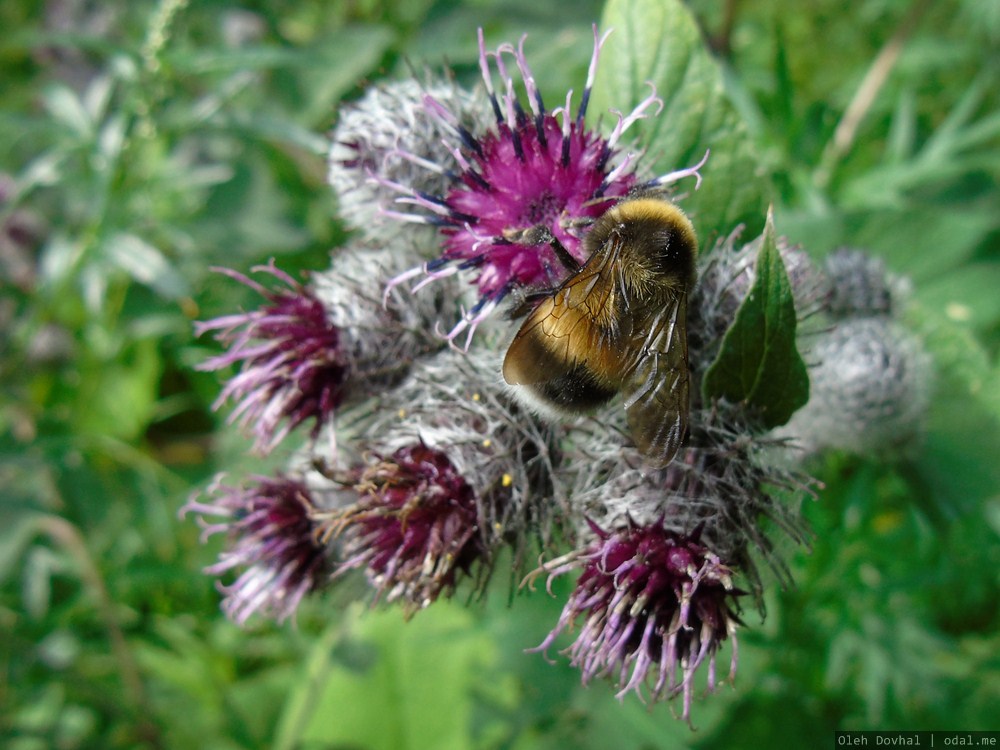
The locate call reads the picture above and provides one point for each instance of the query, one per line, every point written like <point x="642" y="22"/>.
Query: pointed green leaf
<point x="658" y="42"/>
<point x="758" y="362"/>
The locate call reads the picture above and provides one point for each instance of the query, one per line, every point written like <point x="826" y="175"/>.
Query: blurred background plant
<point x="146" y="142"/>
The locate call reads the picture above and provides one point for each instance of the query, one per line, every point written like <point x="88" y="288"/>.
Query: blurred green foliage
<point x="146" y="142"/>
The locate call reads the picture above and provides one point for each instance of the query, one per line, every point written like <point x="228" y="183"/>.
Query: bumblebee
<point x="618" y="325"/>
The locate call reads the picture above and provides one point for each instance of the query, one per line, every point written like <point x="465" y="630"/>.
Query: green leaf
<point x="758" y="362"/>
<point x="388" y="701"/>
<point x="966" y="294"/>
<point x="67" y="108"/>
<point x="117" y="397"/>
<point x="146" y="265"/>
<point x="323" y="72"/>
<point x="955" y="470"/>
<point x="658" y="42"/>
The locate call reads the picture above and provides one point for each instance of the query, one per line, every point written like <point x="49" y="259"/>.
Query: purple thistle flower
<point x="454" y="403"/>
<point x="529" y="183"/>
<point x="292" y="365"/>
<point x="312" y="350"/>
<point x="271" y="535"/>
<point x="655" y="606"/>
<point x="414" y="529"/>
<point x="722" y="482"/>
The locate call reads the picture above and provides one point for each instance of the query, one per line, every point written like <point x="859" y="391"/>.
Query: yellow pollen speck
<point x="475" y="397"/>
<point x="189" y="307"/>
<point x="885" y="523"/>
<point x="487" y="443"/>
<point x="401" y="413"/>
<point x="507" y="480"/>
<point x="958" y="312"/>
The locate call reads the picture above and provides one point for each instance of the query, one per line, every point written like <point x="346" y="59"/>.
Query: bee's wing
<point x="656" y="396"/>
<point x="566" y="329"/>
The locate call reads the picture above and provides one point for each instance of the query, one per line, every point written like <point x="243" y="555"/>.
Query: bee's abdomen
<point x="577" y="390"/>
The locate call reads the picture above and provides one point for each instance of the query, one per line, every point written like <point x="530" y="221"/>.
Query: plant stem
<point x="872" y="83"/>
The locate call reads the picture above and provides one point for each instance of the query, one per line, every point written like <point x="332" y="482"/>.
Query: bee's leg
<point x="542" y="235"/>
<point x="564" y="256"/>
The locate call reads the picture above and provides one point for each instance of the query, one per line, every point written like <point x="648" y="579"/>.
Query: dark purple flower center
<point x="524" y="181"/>
<point x="415" y="526"/>
<point x="664" y="570"/>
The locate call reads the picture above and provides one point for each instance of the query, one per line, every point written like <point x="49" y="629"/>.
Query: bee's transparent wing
<point x="560" y="333"/>
<point x="656" y="393"/>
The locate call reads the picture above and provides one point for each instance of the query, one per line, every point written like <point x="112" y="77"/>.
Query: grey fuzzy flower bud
<point x="869" y="391"/>
<point x="859" y="284"/>
<point x="381" y="329"/>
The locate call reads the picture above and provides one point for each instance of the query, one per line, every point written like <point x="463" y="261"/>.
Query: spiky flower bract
<point x="860" y="285"/>
<point x="870" y="381"/>
<point x="522" y="190"/>
<point x="388" y="133"/>
<point x="270" y="537"/>
<point x="383" y="333"/>
<point x="653" y="606"/>
<point x="723" y="481"/>
<point x="870" y="390"/>
<point x="455" y="402"/>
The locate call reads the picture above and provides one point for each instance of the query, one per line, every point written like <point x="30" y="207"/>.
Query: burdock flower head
<point x="520" y="193"/>
<point x="861" y="286"/>
<point x="653" y="606"/>
<point x="292" y="365"/>
<point x="722" y="482"/>
<point x="870" y="379"/>
<point x="271" y="537"/>
<point x="454" y="471"/>
<point x="870" y="390"/>
<point x="414" y="529"/>
<point x="313" y="347"/>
